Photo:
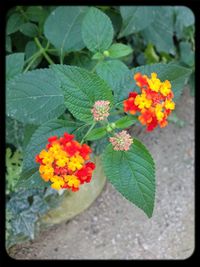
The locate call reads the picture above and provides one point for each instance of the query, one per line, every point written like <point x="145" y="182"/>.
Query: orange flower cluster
<point x="154" y="102"/>
<point x="64" y="163"/>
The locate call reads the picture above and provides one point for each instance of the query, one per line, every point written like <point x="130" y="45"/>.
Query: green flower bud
<point x="113" y="125"/>
<point x="106" y="53"/>
<point x="109" y="128"/>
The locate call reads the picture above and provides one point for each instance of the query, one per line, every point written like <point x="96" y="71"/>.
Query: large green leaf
<point x="186" y="53"/>
<point x="34" y="97"/>
<point x="135" y="19"/>
<point x="97" y="30"/>
<point x="118" y="76"/>
<point x="63" y="28"/>
<point x="13" y="23"/>
<point x="14" y="64"/>
<point x="184" y="18"/>
<point x="176" y="74"/>
<point x="81" y="89"/>
<point x="14" y="132"/>
<point x="132" y="173"/>
<point x="160" y="32"/>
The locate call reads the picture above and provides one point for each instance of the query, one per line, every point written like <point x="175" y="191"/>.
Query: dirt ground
<point x="113" y="228"/>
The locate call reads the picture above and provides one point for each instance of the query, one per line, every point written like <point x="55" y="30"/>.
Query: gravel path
<point x="113" y="228"/>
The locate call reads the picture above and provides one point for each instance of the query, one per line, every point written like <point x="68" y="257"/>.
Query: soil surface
<point x="113" y="228"/>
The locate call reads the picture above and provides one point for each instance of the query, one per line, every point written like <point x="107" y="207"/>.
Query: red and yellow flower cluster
<point x="64" y="163"/>
<point x="154" y="102"/>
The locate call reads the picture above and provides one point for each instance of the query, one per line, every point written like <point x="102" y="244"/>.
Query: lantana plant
<point x="76" y="110"/>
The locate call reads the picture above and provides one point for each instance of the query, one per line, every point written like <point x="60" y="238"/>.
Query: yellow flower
<point x="142" y="101"/>
<point x="158" y="112"/>
<point x="76" y="162"/>
<point x="154" y="82"/>
<point x="165" y="88"/>
<point x="169" y="104"/>
<point x="57" y="182"/>
<point x="72" y="180"/>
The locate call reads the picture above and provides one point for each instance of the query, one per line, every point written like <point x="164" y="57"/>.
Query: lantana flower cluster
<point x="65" y="163"/>
<point x="100" y="110"/>
<point x="121" y="141"/>
<point x="154" y="103"/>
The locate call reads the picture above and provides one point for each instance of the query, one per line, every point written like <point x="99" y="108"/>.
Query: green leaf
<point x="33" y="181"/>
<point x="135" y="19"/>
<point x="30" y="50"/>
<point x="97" y="30"/>
<point x="35" y="13"/>
<point x="184" y="18"/>
<point x="14" y="22"/>
<point x="176" y="74"/>
<point x="132" y="173"/>
<point x="29" y="29"/>
<point x="83" y="61"/>
<point x="150" y="54"/>
<point x="99" y="145"/>
<point x="13" y="169"/>
<point x="119" y="50"/>
<point x="24" y="223"/>
<point x="81" y="89"/>
<point x="186" y="53"/>
<point x="34" y="97"/>
<point x="98" y="56"/>
<point x="115" y="18"/>
<point x="118" y="76"/>
<point x="63" y="28"/>
<point x="29" y="129"/>
<point x="14" y="132"/>
<point x="160" y="32"/>
<point x="126" y="122"/>
<point x="14" y="64"/>
<point x="96" y="134"/>
<point x="8" y="44"/>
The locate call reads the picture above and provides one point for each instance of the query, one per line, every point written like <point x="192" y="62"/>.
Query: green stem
<point x="36" y="55"/>
<point x="90" y="129"/>
<point x="95" y="66"/>
<point x="30" y="58"/>
<point x="61" y="59"/>
<point x="43" y="51"/>
<point x="82" y="126"/>
<point x="52" y="50"/>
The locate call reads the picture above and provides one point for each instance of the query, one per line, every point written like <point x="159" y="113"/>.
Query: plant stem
<point x="43" y="51"/>
<point x="90" y="129"/>
<point x="36" y="55"/>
